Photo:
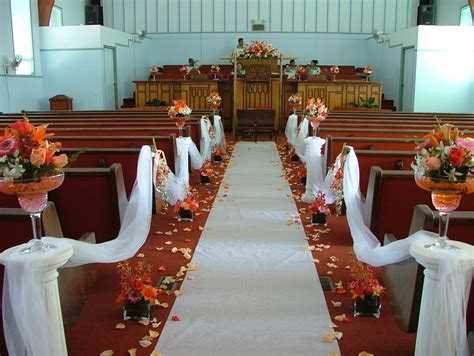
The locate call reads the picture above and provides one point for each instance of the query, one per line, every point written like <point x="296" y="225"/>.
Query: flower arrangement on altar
<point x="334" y="70"/>
<point x="444" y="154"/>
<point x="26" y="152"/>
<point x="295" y="99"/>
<point x="364" y="283"/>
<point x="154" y="69"/>
<point x="367" y="70"/>
<point x="259" y="50"/>
<point x="300" y="69"/>
<point x="215" y="68"/>
<point x="179" y="108"/>
<point x="214" y="98"/>
<point x="135" y="283"/>
<point x="316" y="108"/>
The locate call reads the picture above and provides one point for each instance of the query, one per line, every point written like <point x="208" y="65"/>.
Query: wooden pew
<point x="254" y="121"/>
<point x="391" y="198"/>
<point x="74" y="283"/>
<point x="404" y="280"/>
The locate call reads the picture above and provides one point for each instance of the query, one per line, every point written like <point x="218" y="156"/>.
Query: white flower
<point x="14" y="171"/>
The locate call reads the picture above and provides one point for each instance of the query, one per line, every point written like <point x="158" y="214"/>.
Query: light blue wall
<point x="73" y="11"/>
<point x="448" y="11"/>
<point x="233" y="16"/>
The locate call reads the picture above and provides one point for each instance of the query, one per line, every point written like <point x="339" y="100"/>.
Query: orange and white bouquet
<point x="444" y="154"/>
<point x="260" y="49"/>
<point x="135" y="283"/>
<point x="189" y="203"/>
<point x="316" y="108"/>
<point x="154" y="69"/>
<point x="319" y="205"/>
<point x="364" y="282"/>
<point x="367" y="70"/>
<point x="26" y="152"/>
<point x="215" y="68"/>
<point x="214" y="98"/>
<point x="179" y="108"/>
<point x="334" y="70"/>
<point x="295" y="99"/>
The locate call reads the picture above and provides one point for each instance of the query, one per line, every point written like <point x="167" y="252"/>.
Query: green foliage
<point x="369" y="104"/>
<point x="157" y="102"/>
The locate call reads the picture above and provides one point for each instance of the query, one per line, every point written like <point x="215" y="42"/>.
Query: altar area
<point x="262" y="84"/>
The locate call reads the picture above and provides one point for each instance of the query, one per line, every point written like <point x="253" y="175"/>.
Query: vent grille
<point x="258" y="25"/>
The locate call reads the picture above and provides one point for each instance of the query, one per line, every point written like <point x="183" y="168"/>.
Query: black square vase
<point x="369" y="307"/>
<point x="319" y="219"/>
<point x="137" y="311"/>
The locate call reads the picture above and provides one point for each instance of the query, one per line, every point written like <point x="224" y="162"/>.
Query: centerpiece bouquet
<point x="215" y="68"/>
<point x="185" y="208"/>
<point x="205" y="174"/>
<point x="366" y="290"/>
<point x="259" y="50"/>
<point x="319" y="210"/>
<point x="316" y="112"/>
<point x="444" y="165"/>
<point x="300" y="69"/>
<point x="217" y="154"/>
<point x="136" y="290"/>
<point x="295" y="101"/>
<point x="179" y="113"/>
<point x="334" y="70"/>
<point x="154" y="71"/>
<point x="367" y="71"/>
<point x="214" y="100"/>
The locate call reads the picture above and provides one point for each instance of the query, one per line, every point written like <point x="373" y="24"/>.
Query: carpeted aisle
<point x="255" y="291"/>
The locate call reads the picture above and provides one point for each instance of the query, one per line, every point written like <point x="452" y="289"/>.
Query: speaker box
<point x="426" y="15"/>
<point x="94" y="15"/>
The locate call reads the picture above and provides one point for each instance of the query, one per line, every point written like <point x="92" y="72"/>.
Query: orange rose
<point x="456" y="156"/>
<point x="38" y="156"/>
<point x="23" y="128"/>
<point x="149" y="293"/>
<point x="433" y="163"/>
<point x="59" y="161"/>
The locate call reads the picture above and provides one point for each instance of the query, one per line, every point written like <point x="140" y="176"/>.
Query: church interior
<point x="237" y="177"/>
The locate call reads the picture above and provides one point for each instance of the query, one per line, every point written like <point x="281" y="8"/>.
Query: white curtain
<point x="219" y="138"/>
<point x="446" y="324"/>
<point x="24" y="305"/>
<point x="290" y="129"/>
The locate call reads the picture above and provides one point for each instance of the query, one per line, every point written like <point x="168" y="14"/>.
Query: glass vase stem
<point x="443" y="229"/>
<point x="36" y="223"/>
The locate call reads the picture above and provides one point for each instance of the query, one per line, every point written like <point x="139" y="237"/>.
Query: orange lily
<point x="39" y="134"/>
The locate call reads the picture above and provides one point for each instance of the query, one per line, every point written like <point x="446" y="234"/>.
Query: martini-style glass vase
<point x="180" y="121"/>
<point x="446" y="196"/>
<point x="294" y="107"/>
<point x="32" y="195"/>
<point x="315" y="121"/>
<point x="214" y="108"/>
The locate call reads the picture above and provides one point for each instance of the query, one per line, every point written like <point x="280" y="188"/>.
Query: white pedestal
<point x="48" y="262"/>
<point x="432" y="336"/>
<point x="314" y="168"/>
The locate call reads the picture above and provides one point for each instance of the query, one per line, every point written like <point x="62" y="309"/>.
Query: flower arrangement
<point x="179" y="108"/>
<point x="364" y="283"/>
<point x="154" y="70"/>
<point x="334" y="70"/>
<point x="205" y="171"/>
<point x="316" y="108"/>
<point x="26" y="152"/>
<point x="215" y="68"/>
<point x="259" y="50"/>
<point x="300" y="69"/>
<point x="217" y="154"/>
<point x="135" y="283"/>
<point x="190" y="203"/>
<point x="319" y="205"/>
<point x="183" y="70"/>
<point x="367" y="70"/>
<point x="444" y="154"/>
<point x="337" y="187"/>
<point x="214" y="98"/>
<point x="295" y="99"/>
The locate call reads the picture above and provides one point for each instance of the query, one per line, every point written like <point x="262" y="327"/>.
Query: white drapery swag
<point x="206" y="140"/>
<point x="290" y="129"/>
<point x="219" y="138"/>
<point x="299" y="142"/>
<point x="186" y="147"/>
<point x="447" y="322"/>
<point x="167" y="186"/>
<point x="24" y="305"/>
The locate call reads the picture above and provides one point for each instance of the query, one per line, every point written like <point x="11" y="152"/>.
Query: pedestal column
<point x="314" y="168"/>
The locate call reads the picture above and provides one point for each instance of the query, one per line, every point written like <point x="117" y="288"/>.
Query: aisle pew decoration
<point x="214" y="100"/>
<point x="316" y="112"/>
<point x="366" y="290"/>
<point x="319" y="210"/>
<point x="295" y="102"/>
<point x="217" y="154"/>
<point x="260" y="50"/>
<point x="186" y="208"/>
<point x="179" y="113"/>
<point x="137" y="293"/>
<point x="337" y="187"/>
<point x="205" y="174"/>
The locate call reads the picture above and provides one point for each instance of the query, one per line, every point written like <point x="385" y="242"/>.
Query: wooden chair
<point x="404" y="280"/>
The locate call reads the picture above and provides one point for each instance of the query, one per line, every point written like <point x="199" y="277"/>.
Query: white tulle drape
<point x="25" y="315"/>
<point x="206" y="141"/>
<point x="314" y="168"/>
<point x="290" y="129"/>
<point x="187" y="149"/>
<point x="219" y="138"/>
<point x="446" y="334"/>
<point x="299" y="142"/>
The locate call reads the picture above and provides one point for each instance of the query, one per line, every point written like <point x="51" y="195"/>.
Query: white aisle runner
<point x="255" y="291"/>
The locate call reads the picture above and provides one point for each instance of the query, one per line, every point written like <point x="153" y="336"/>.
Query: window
<point x="22" y="36"/>
<point x="466" y="17"/>
<point x="56" y="16"/>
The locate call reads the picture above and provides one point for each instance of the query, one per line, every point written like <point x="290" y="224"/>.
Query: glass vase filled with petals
<point x="214" y="100"/>
<point x="443" y="166"/>
<point x="315" y="112"/>
<point x="179" y="113"/>
<point x="29" y="169"/>
<point x="294" y="102"/>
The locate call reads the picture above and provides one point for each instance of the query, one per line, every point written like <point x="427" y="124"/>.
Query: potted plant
<point x="186" y="208"/>
<point x="319" y="210"/>
<point x="365" y="289"/>
<point x="136" y="291"/>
